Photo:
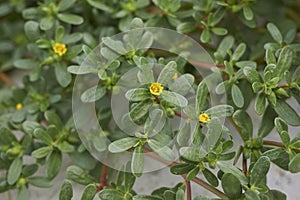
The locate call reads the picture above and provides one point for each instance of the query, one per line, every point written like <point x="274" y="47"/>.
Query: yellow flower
<point x="204" y="118"/>
<point x="59" y="48"/>
<point x="175" y="76"/>
<point x="156" y="88"/>
<point x="19" y="106"/>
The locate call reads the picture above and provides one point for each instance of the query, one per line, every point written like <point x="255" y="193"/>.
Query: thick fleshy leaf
<point x="89" y="192"/>
<point x="122" y="144"/>
<point x="287" y="113"/>
<point x="66" y="191"/>
<point x="229" y="168"/>
<point x="163" y="151"/>
<point x="138" y="94"/>
<point x="174" y="98"/>
<point x="231" y="185"/>
<point x="275" y="33"/>
<point x="259" y="171"/>
<point x="93" y="94"/>
<point x="294" y="165"/>
<point x="243" y="120"/>
<point x="237" y="96"/>
<point x="70" y="18"/>
<point x="167" y="73"/>
<point x="53" y="164"/>
<point x="137" y="162"/>
<point x="14" y="170"/>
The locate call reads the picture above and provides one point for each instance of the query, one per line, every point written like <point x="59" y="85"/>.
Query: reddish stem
<point x="103" y="178"/>
<point x="6" y="79"/>
<point x="245" y="168"/>
<point x="278" y="144"/>
<point x="188" y="190"/>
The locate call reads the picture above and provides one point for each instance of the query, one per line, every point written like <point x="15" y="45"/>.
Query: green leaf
<point x="260" y="103"/>
<point x="168" y="5"/>
<point x="184" y="134"/>
<point x="70" y="18"/>
<point x="32" y="30"/>
<point x="163" y="151"/>
<point x="248" y="13"/>
<point x="89" y="192"/>
<point x="62" y="76"/>
<point x="270" y="57"/>
<point x="231" y="186"/>
<point x="100" y="5"/>
<point x="140" y="111"/>
<point x="251" y="74"/>
<point x="285" y="138"/>
<point x="229" y="168"/>
<point x="183" y="84"/>
<point x="192" y="154"/>
<point x="219" y="31"/>
<point x="205" y="36"/>
<point x="294" y="164"/>
<point x="111" y="194"/>
<point x="138" y="94"/>
<point x="174" y="98"/>
<point x="66" y="191"/>
<point x="210" y="177"/>
<point x="54" y="163"/>
<point x="267" y="122"/>
<point x="186" y="27"/>
<point x="23" y="194"/>
<point x="237" y="96"/>
<point x="26" y="64"/>
<point x="275" y="33"/>
<point x="93" y="94"/>
<point x="65" y="147"/>
<point x="59" y="33"/>
<point x="259" y="171"/>
<point x="14" y="171"/>
<point x="183" y="168"/>
<point x="213" y="134"/>
<point x="239" y="51"/>
<point x="220" y="111"/>
<point x="47" y="23"/>
<point x="201" y="96"/>
<point x="41" y="152"/>
<point x="285" y="60"/>
<point x="276" y="195"/>
<point x="154" y="122"/>
<point x="243" y="120"/>
<point x="117" y="46"/>
<point x="225" y="45"/>
<point x="30" y="126"/>
<point x="41" y="182"/>
<point x="192" y="173"/>
<point x="146" y="197"/>
<point x="42" y="135"/>
<point x="287" y="113"/>
<point x="137" y="163"/>
<point x="251" y="195"/>
<point x="167" y="73"/>
<point x="29" y="170"/>
<point x="65" y="4"/>
<point x="53" y="118"/>
<point x="122" y="144"/>
<point x="77" y="174"/>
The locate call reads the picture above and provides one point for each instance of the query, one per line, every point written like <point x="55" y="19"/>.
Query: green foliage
<point x="50" y="44"/>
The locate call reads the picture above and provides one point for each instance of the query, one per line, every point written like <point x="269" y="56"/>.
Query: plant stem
<point x="278" y="144"/>
<point x="245" y="168"/>
<point x="210" y="188"/>
<point x="195" y="180"/>
<point x="103" y="177"/>
<point x="188" y="190"/>
<point x="6" y="79"/>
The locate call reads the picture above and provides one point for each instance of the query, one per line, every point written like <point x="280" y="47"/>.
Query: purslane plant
<point x="174" y="114"/>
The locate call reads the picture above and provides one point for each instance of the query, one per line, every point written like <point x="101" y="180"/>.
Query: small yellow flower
<point x="156" y="88"/>
<point x="204" y="118"/>
<point x="19" y="106"/>
<point x="175" y="75"/>
<point x="59" y="48"/>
